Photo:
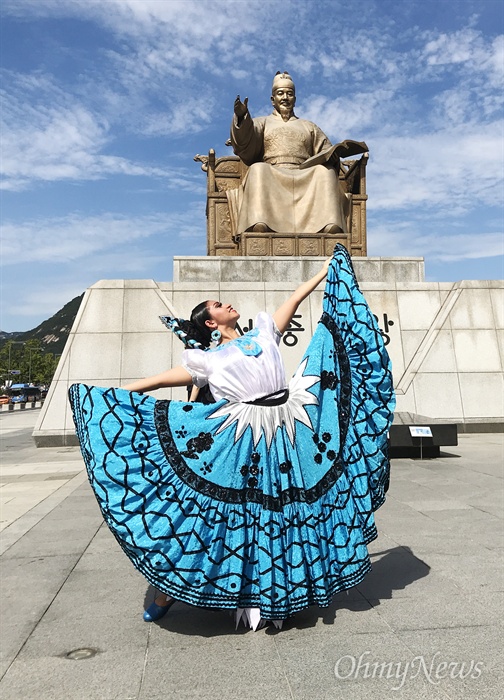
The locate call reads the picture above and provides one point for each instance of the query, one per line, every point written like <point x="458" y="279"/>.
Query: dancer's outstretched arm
<point x="178" y="376"/>
<point x="283" y="315"/>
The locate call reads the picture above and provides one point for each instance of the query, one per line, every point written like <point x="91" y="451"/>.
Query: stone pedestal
<point x="445" y="339"/>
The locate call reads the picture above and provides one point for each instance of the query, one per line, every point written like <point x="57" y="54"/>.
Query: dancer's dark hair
<point x="193" y="333"/>
<point x="199" y="315"/>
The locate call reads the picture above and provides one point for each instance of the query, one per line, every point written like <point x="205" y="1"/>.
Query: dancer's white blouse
<point x="231" y="374"/>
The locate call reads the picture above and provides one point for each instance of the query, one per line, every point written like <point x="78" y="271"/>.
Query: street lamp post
<point x="56" y="362"/>
<point x="11" y="343"/>
<point x="30" y="350"/>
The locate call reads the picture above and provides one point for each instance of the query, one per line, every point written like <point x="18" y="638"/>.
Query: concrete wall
<point x="445" y="339"/>
<point x="446" y="348"/>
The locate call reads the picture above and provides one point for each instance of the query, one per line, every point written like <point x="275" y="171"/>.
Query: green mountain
<point x="52" y="333"/>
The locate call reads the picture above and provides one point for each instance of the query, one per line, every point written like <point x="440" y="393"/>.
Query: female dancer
<point x="263" y="501"/>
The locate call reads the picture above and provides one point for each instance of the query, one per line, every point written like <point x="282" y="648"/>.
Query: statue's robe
<point x="275" y="191"/>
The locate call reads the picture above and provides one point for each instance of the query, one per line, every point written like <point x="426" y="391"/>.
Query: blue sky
<point x="106" y="102"/>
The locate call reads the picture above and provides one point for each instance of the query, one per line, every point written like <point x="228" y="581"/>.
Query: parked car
<point x="4" y="399"/>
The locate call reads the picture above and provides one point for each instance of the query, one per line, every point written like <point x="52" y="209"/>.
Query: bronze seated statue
<point x="286" y="191"/>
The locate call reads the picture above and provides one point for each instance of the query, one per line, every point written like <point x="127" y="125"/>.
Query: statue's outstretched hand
<point x="240" y="108"/>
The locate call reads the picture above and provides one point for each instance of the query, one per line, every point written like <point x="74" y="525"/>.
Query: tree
<point x="34" y="365"/>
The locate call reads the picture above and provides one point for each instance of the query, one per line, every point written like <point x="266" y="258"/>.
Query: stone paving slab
<point x="435" y="596"/>
<point x="28" y="586"/>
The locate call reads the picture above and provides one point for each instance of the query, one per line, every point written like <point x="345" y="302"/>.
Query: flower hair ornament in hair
<point x="173" y="324"/>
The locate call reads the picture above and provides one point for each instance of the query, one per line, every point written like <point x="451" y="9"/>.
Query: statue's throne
<point x="227" y="173"/>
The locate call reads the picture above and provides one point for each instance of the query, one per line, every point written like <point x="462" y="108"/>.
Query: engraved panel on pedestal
<point x="255" y="245"/>
<point x="329" y="247"/>
<point x="310" y="246"/>
<point x="284" y="246"/>
<point x="331" y="241"/>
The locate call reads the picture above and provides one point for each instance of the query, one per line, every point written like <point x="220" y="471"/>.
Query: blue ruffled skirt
<point x="234" y="506"/>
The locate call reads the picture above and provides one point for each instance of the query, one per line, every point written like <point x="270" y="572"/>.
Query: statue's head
<point x="283" y="80"/>
<point x="283" y="93"/>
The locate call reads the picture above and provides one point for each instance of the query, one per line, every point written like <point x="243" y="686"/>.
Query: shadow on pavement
<point x="393" y="570"/>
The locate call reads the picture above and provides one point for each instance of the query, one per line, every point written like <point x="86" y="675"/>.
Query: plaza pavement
<point x="434" y="597"/>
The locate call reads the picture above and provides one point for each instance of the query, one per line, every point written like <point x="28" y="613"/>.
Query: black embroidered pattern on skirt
<point x="252" y="493"/>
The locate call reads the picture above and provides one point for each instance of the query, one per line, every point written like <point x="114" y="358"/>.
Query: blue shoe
<point x="155" y="612"/>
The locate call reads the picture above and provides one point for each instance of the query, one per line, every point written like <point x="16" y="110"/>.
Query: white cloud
<point x="467" y="246"/>
<point x="168" y="53"/>
<point x="346" y="117"/>
<point x="238" y="73"/>
<point x="454" y="170"/>
<point x="474" y="68"/>
<point x="189" y="116"/>
<point x="49" y="143"/>
<point x="426" y="101"/>
<point x="399" y="239"/>
<point x="71" y="238"/>
<point x="458" y="47"/>
<point x="185" y="18"/>
<point x="68" y="254"/>
<point x="195" y="27"/>
<point x="495" y="58"/>
<point x="351" y="58"/>
<point x="463" y="46"/>
<point x="45" y="301"/>
<point x="461" y="73"/>
<point x="47" y="135"/>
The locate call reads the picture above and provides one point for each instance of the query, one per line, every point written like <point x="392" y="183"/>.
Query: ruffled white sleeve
<point x="195" y="362"/>
<point x="265" y="322"/>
